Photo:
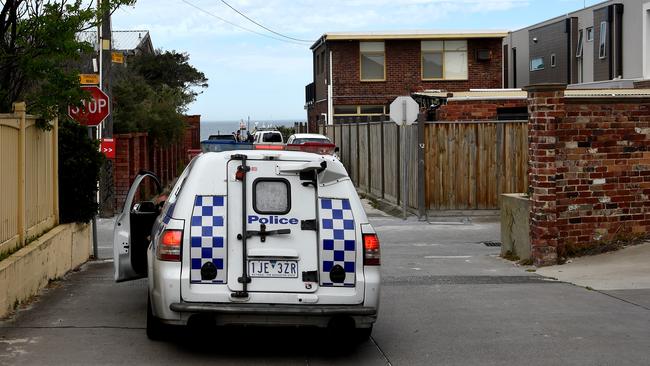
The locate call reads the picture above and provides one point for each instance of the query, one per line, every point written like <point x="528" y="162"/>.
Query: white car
<point x="312" y="142"/>
<point x="253" y="237"/>
<point x="268" y="137"/>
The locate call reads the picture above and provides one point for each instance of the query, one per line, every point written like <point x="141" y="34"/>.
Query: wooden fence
<point x="29" y="199"/>
<point x="468" y="164"/>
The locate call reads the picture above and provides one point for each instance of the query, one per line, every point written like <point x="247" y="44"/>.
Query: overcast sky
<point x="265" y="78"/>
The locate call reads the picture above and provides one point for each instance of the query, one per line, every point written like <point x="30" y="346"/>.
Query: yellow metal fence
<point x="29" y="192"/>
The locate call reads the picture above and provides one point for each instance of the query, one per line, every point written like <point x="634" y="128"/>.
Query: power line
<point x="268" y="29"/>
<point x="237" y="25"/>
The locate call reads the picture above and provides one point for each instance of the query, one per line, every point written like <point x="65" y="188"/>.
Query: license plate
<point x="273" y="269"/>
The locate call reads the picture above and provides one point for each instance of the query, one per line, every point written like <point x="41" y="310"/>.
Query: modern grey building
<point x="604" y="45"/>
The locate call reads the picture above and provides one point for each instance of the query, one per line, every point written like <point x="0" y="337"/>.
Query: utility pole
<point x="106" y="188"/>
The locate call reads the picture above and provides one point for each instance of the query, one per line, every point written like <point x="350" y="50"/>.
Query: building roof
<point x="411" y="34"/>
<point x="123" y="40"/>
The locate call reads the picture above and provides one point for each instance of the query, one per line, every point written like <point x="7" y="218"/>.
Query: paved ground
<point x="446" y="299"/>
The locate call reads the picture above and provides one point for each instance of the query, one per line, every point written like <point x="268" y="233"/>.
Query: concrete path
<point x="447" y="299"/>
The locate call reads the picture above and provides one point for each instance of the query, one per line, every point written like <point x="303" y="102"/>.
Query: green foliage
<point x="286" y="132"/>
<point x="151" y="93"/>
<point x="38" y="47"/>
<point x="79" y="163"/>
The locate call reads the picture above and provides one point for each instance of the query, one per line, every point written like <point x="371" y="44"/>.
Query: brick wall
<point x="471" y="110"/>
<point x="589" y="172"/>
<point x="135" y="151"/>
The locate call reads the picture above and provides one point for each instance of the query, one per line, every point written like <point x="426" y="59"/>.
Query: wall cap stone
<point x="544" y="87"/>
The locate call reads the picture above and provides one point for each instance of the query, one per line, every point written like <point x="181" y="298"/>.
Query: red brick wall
<point x="134" y="153"/>
<point x="472" y="110"/>
<point x="403" y="74"/>
<point x="589" y="172"/>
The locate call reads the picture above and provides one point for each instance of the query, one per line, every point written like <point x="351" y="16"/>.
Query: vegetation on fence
<point x="79" y="163"/>
<point x="153" y="91"/>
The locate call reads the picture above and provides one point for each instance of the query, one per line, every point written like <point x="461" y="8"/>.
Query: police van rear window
<point x="271" y="196"/>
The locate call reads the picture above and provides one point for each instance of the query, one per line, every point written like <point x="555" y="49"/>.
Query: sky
<point x="264" y="77"/>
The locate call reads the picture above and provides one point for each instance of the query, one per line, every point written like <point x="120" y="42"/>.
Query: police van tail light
<point x="371" y="252"/>
<point x="170" y="245"/>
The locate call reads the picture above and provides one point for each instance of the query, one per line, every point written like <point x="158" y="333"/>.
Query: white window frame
<point x="602" y="41"/>
<point x="580" y="44"/>
<point x="553" y="60"/>
<point x="538" y="69"/>
<point x="590" y="34"/>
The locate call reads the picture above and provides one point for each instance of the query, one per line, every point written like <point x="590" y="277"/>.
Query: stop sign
<point x="94" y="110"/>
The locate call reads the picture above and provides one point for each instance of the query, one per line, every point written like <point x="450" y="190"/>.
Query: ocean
<point x="227" y="127"/>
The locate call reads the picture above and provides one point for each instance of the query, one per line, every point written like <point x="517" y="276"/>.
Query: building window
<point x="444" y="60"/>
<point x="359" y="110"/>
<point x="537" y="64"/>
<point x="579" y="49"/>
<point x="602" y="45"/>
<point x="373" y="61"/>
<point x="345" y="109"/>
<point x="590" y="34"/>
<point x="552" y="60"/>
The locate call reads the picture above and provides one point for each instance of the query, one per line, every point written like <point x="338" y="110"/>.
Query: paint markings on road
<point x="447" y="256"/>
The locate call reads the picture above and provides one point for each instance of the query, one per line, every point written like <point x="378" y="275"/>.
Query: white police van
<point x="254" y="238"/>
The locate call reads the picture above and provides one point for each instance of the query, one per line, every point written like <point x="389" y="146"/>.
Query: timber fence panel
<point x="28" y="177"/>
<point x="363" y="160"/>
<point x="354" y="153"/>
<point x="469" y="164"/>
<point x="391" y="162"/>
<point x="376" y="159"/>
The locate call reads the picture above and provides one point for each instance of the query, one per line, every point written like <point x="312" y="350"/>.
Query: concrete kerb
<point x="26" y="272"/>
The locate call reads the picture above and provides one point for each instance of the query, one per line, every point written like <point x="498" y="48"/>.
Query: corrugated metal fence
<point x="468" y="164"/>
<point x="28" y="178"/>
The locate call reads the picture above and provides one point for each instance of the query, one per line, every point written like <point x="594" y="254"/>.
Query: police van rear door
<point x="280" y="214"/>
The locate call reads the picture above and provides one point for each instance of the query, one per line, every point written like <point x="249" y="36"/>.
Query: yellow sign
<point x="117" y="57"/>
<point x="89" y="79"/>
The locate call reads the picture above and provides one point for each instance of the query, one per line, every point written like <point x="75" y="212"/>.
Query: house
<point x="357" y="75"/>
<point x="606" y="45"/>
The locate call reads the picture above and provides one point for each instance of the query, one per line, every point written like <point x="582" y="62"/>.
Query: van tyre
<point x="155" y="328"/>
<point x="362" y="334"/>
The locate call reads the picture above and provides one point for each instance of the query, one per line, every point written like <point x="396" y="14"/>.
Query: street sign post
<point x="93" y="111"/>
<point x="404" y="111"/>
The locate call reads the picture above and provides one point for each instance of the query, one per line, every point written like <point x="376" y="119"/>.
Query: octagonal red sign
<point x="93" y="111"/>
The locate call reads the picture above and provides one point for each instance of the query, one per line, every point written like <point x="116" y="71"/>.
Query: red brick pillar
<point x="545" y="111"/>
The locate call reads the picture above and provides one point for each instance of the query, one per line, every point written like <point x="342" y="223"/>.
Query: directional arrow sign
<point x="93" y="111"/>
<point x="107" y="147"/>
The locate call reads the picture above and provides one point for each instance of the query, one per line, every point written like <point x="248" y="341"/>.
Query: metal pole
<point x="422" y="212"/>
<point x="404" y="162"/>
<point x="105" y="129"/>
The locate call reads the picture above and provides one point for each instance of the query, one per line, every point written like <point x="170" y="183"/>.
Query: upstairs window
<point x="537" y="64"/>
<point x="552" y="60"/>
<point x="373" y="61"/>
<point x="579" y="49"/>
<point x="590" y="34"/>
<point x="602" y="45"/>
<point x="444" y="60"/>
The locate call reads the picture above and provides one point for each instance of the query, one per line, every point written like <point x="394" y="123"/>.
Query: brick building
<point x="357" y="75"/>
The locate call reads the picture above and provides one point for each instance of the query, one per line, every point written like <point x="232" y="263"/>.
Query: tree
<point x="38" y="48"/>
<point x="152" y="92"/>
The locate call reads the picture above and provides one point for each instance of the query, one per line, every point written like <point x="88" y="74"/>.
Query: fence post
<point x="421" y="183"/>
<point x="369" y="155"/>
<point x="19" y="112"/>
<point x="55" y="169"/>
<point x="383" y="161"/>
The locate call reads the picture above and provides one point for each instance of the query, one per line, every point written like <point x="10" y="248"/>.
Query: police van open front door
<point x="272" y="226"/>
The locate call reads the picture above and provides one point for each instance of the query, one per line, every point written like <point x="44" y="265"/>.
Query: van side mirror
<point x="336" y="149"/>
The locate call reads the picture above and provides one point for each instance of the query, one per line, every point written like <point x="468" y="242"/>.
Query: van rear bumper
<point x="277" y="314"/>
<point x="281" y="309"/>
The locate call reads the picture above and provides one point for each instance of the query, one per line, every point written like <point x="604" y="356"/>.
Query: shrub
<point x="79" y="164"/>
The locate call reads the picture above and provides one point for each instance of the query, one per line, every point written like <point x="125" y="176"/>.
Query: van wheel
<point x="155" y="328"/>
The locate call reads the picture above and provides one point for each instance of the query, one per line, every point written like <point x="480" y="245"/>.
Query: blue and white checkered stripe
<point x="207" y="237"/>
<point x="338" y="240"/>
